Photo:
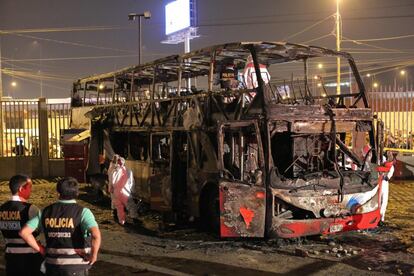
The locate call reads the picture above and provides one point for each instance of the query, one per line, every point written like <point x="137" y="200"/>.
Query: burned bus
<point x="254" y="139"/>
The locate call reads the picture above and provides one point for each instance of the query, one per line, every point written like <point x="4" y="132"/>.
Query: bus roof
<point x="197" y="63"/>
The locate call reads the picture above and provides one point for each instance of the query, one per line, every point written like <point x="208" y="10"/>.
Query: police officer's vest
<point x="13" y="216"/>
<point x="227" y="75"/>
<point x="66" y="245"/>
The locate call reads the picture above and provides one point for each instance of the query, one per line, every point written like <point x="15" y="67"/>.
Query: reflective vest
<point x="13" y="216"/>
<point x="66" y="245"/>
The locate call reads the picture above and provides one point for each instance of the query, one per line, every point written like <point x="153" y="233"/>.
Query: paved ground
<point x="145" y="251"/>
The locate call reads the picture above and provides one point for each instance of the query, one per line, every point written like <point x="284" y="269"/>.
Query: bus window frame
<point x="220" y="136"/>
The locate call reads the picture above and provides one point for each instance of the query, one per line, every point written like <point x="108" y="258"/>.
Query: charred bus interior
<point x="253" y="138"/>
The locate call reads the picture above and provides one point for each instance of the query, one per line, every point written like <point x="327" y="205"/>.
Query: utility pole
<point x="338" y="48"/>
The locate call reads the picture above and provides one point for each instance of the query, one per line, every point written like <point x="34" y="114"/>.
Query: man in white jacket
<point x="121" y="184"/>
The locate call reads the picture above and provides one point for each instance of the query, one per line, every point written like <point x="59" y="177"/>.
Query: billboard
<point x="177" y="16"/>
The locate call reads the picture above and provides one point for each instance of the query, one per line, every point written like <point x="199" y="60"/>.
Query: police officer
<point x="71" y="232"/>
<point x="228" y="76"/>
<point x="21" y="259"/>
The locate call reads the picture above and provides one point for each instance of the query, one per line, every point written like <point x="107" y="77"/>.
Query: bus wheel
<point x="210" y="210"/>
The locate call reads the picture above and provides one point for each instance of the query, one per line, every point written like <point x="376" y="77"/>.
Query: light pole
<point x="369" y="80"/>
<point x="403" y="73"/>
<point x="338" y="47"/>
<point x="131" y="17"/>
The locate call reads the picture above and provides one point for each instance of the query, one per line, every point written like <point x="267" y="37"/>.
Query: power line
<point x="45" y="84"/>
<point x="315" y="39"/>
<point x="64" y="29"/>
<point x="81" y="58"/>
<point x="384" y="38"/>
<point x="73" y="43"/>
<point x="308" y="28"/>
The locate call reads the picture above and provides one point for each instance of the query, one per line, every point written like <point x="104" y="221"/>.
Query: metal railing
<point x="395" y="109"/>
<point x="58" y="116"/>
<point x="19" y="128"/>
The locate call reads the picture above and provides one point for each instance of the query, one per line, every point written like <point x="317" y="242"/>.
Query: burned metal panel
<point x="196" y="180"/>
<point x="142" y="172"/>
<point x="325" y="202"/>
<point x="360" y="216"/>
<point x="299" y="228"/>
<point x="161" y="193"/>
<point x="322" y="127"/>
<point x="316" y="112"/>
<point x="242" y="210"/>
<point x="78" y="118"/>
<point x="283" y="228"/>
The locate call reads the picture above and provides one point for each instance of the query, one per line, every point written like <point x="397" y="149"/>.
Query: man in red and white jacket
<point x="388" y="170"/>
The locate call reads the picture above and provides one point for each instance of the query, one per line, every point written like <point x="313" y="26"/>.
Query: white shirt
<point x="33" y="210"/>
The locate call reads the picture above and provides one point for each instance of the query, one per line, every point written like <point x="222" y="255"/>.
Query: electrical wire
<point x="74" y="43"/>
<point x="44" y="84"/>
<point x="39" y="76"/>
<point x="307" y="28"/>
<point x="384" y="38"/>
<point x="64" y="29"/>
<point x="315" y="39"/>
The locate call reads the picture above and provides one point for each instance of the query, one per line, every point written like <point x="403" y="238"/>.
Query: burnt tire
<point x="210" y="210"/>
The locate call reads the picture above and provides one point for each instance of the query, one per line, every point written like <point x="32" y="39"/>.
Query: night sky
<point x="61" y="57"/>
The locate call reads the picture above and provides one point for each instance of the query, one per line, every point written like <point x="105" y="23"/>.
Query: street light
<point x="131" y="17"/>
<point x="403" y="73"/>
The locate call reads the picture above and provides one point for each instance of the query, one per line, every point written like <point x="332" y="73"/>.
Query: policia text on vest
<point x="21" y="259"/>
<point x="71" y="232"/>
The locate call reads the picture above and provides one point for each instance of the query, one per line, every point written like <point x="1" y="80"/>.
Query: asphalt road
<point x="143" y="250"/>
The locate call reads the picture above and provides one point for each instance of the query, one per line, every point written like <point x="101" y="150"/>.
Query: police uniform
<point x="21" y="259"/>
<point x="65" y="224"/>
<point x="227" y="77"/>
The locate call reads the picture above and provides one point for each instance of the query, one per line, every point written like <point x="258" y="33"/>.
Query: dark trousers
<point x="23" y="264"/>
<point x="60" y="272"/>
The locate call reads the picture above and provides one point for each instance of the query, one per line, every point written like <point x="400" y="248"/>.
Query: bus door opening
<point x="242" y="193"/>
<point x="179" y="171"/>
<point x="160" y="181"/>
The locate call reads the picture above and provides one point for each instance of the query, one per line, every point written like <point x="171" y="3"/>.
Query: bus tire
<point x="210" y="209"/>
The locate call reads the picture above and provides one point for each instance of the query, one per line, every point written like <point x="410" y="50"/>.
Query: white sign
<point x="177" y="16"/>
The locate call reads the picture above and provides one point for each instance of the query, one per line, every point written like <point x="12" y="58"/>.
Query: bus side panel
<point x="141" y="171"/>
<point x="242" y="210"/>
<point x="161" y="192"/>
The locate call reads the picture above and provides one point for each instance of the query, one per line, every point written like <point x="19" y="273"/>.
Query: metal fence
<point x="19" y="128"/>
<point x="58" y="119"/>
<point x="395" y="109"/>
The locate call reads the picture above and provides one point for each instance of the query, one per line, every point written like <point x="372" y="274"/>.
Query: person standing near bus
<point x="121" y="185"/>
<point x="67" y="227"/>
<point x="21" y="259"/>
<point x="388" y="171"/>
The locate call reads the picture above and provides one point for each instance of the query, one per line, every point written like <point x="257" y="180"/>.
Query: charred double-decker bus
<point x="253" y="139"/>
